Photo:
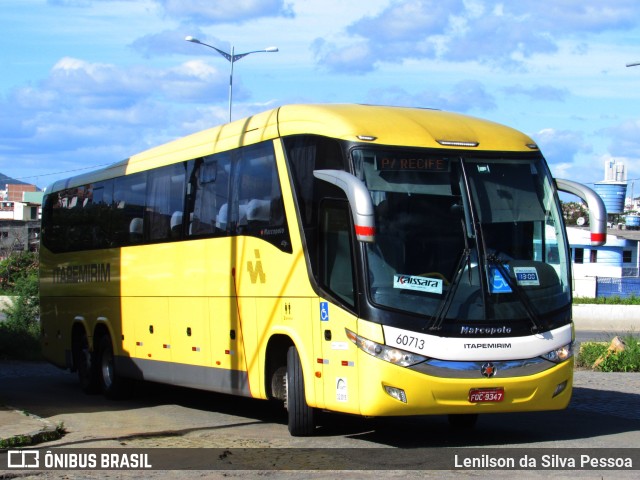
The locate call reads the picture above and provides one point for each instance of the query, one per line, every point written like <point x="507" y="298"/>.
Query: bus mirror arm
<point x="359" y="200"/>
<point x="597" y="210"/>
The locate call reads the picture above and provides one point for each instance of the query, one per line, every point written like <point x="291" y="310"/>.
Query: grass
<point x="19" y="343"/>
<point x="625" y="361"/>
<point x="631" y="300"/>
<point x="19" y="441"/>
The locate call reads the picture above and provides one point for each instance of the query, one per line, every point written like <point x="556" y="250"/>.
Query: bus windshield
<point x="479" y="239"/>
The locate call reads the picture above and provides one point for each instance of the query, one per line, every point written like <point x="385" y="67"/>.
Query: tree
<point x="571" y="211"/>
<point x="16" y="266"/>
<point x="20" y="332"/>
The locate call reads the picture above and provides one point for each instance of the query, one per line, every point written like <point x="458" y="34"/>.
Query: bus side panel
<point x="60" y="314"/>
<point x="339" y="357"/>
<point x="150" y="317"/>
<point x="235" y="338"/>
<point x="82" y="286"/>
<point x="287" y="316"/>
<point x="190" y="330"/>
<point x="56" y="346"/>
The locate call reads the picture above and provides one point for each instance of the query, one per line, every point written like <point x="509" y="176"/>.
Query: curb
<point x="39" y="430"/>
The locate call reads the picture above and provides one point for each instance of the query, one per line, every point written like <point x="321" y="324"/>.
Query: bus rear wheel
<point x="112" y="385"/>
<point x="301" y="416"/>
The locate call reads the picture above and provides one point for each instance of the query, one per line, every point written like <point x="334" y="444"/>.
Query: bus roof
<point x="382" y="125"/>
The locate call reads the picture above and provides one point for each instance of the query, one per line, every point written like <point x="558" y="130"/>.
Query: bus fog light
<point x="560" y="388"/>
<point x="396" y="393"/>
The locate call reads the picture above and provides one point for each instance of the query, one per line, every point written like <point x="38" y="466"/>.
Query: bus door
<point x="337" y="359"/>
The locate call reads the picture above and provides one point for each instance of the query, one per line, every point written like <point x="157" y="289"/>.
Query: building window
<point x="626" y="256"/>
<point x="593" y="257"/>
<point x="579" y="255"/>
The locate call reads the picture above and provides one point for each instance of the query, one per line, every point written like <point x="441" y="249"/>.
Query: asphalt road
<point x="603" y="413"/>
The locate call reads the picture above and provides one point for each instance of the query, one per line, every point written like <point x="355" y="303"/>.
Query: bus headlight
<point x="383" y="352"/>
<point x="560" y="354"/>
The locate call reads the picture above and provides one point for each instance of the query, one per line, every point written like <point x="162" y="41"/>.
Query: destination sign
<point x="413" y="163"/>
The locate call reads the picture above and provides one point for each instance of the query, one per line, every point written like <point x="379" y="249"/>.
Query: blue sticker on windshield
<point x="497" y="283"/>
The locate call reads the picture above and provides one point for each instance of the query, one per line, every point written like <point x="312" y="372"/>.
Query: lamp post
<point x="633" y="64"/>
<point x="232" y="57"/>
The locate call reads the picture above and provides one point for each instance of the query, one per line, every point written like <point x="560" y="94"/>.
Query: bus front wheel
<point x="301" y="416"/>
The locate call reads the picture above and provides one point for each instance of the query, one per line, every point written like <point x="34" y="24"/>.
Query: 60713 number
<point x="409" y="341"/>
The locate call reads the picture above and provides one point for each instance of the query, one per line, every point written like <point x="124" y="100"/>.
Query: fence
<point x="617" y="287"/>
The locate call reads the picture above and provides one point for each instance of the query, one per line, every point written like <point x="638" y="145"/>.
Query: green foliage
<point x="15" y="267"/>
<point x="625" y="361"/>
<point x="20" y="332"/>
<point x="632" y="300"/>
<point x="589" y="353"/>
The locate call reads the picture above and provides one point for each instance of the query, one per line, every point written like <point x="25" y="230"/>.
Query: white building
<point x="618" y="258"/>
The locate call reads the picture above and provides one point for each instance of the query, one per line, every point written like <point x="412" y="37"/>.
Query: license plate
<point x="477" y="395"/>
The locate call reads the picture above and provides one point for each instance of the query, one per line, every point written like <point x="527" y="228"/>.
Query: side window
<point x="99" y="211"/>
<point x="230" y="193"/>
<point x="165" y="202"/>
<point x="257" y="205"/>
<point x="336" y="256"/>
<point x="52" y="229"/>
<point x="128" y="209"/>
<point x="306" y="153"/>
<point x="77" y="221"/>
<point x="208" y="193"/>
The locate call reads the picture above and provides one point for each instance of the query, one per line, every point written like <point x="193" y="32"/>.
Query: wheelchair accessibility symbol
<point x="324" y="311"/>
<point x="497" y="283"/>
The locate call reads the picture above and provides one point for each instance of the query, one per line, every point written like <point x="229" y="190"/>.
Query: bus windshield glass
<point x="459" y="237"/>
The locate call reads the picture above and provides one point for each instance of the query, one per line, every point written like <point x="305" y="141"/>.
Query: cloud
<point x="71" y="3"/>
<point x="354" y="58"/>
<point x="171" y="42"/>
<point x="564" y="151"/>
<point x="462" y="97"/>
<point x="97" y="85"/>
<point x="539" y="92"/>
<point x="500" y="35"/>
<point x="209" y="12"/>
<point x="625" y="139"/>
<point x="567" y="17"/>
<point x="88" y="113"/>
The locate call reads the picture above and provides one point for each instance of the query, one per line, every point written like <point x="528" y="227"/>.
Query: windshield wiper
<point x="435" y="322"/>
<point x="493" y="259"/>
<point x="478" y="234"/>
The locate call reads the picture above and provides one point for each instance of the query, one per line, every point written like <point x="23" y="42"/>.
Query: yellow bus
<point x="377" y="261"/>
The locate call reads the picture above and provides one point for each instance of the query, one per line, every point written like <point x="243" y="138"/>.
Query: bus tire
<point x="463" y="421"/>
<point x="300" y="415"/>
<point x="112" y="385"/>
<point x="84" y="361"/>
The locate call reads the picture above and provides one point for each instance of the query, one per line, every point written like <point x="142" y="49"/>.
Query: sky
<point x="85" y="83"/>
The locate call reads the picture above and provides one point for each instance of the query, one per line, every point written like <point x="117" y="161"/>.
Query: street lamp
<point x="232" y="57"/>
<point x="634" y="64"/>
